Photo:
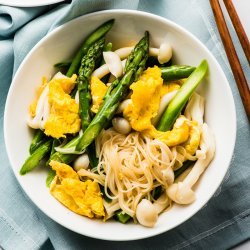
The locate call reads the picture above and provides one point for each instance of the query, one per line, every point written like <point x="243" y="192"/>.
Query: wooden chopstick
<point x="238" y="28"/>
<point x="232" y="56"/>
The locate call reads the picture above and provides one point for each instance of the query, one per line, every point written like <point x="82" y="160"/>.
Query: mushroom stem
<point x="182" y="192"/>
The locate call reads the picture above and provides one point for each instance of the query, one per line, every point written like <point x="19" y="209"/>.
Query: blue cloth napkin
<point x="222" y="223"/>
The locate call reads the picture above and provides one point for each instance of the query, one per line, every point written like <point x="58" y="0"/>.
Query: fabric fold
<point x="11" y="18"/>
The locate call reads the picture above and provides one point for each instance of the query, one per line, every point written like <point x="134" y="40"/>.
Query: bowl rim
<point x="179" y="29"/>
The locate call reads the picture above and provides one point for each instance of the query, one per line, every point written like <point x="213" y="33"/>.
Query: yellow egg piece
<point x="178" y="135"/>
<point x="63" y="118"/>
<point x="146" y="96"/>
<point x="98" y="90"/>
<point x="194" y="138"/>
<point x="145" y="99"/>
<point x="83" y="198"/>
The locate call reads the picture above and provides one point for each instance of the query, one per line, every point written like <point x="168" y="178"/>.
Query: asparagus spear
<point x="176" y="105"/>
<point x="88" y="64"/>
<point x="134" y="66"/>
<point x="38" y="139"/>
<point x="87" y="67"/>
<point x="93" y="37"/>
<point x="112" y="99"/>
<point x="40" y="151"/>
<point x="122" y="217"/>
<point x="176" y="72"/>
<point x="34" y="159"/>
<point x="51" y="175"/>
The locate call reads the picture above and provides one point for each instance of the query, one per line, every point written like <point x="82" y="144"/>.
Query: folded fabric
<point x="12" y="19"/>
<point x="221" y="224"/>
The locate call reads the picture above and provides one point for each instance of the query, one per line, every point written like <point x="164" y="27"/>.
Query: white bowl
<point x="129" y="27"/>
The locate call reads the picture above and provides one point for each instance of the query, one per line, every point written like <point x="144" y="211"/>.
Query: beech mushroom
<point x="82" y="162"/>
<point x="121" y="125"/>
<point x="146" y="213"/>
<point x="182" y="192"/>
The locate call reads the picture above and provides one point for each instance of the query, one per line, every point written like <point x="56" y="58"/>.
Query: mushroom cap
<point x="181" y="193"/>
<point x="146" y="213"/>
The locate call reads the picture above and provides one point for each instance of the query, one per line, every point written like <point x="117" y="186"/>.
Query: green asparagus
<point x="38" y="139"/>
<point x="114" y="95"/>
<point x="122" y="217"/>
<point x="176" y="105"/>
<point x="34" y="159"/>
<point x="51" y="175"/>
<point x="176" y="72"/>
<point x="63" y="65"/>
<point x="87" y="67"/>
<point x="66" y="158"/>
<point x="134" y="66"/>
<point x="93" y="37"/>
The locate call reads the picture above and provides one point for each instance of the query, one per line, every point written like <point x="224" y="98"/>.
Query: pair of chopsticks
<point x="230" y="50"/>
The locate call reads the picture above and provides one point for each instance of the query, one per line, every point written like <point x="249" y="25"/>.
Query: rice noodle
<point x="131" y="166"/>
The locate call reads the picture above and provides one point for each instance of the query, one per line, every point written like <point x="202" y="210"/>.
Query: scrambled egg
<point x="63" y="117"/>
<point x="146" y="96"/>
<point x="98" y="90"/>
<point x="83" y="198"/>
<point x="194" y="138"/>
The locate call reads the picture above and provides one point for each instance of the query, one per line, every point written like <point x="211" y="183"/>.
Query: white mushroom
<point x="115" y="59"/>
<point x="165" y="100"/>
<point x="121" y="125"/>
<point x="146" y="213"/>
<point x="182" y="192"/>
<point x="153" y="52"/>
<point x="168" y="175"/>
<point x="161" y="203"/>
<point x="195" y="108"/>
<point x="123" y="105"/>
<point x="114" y="63"/>
<point x="110" y="208"/>
<point x="165" y="53"/>
<point x="82" y="162"/>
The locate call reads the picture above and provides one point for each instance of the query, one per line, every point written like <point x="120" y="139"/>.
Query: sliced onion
<point x="101" y="71"/>
<point x="71" y="150"/>
<point x="124" y="52"/>
<point x="36" y="122"/>
<point x="114" y="63"/>
<point x="77" y="97"/>
<point x="165" y="100"/>
<point x="59" y="75"/>
<point x="46" y="112"/>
